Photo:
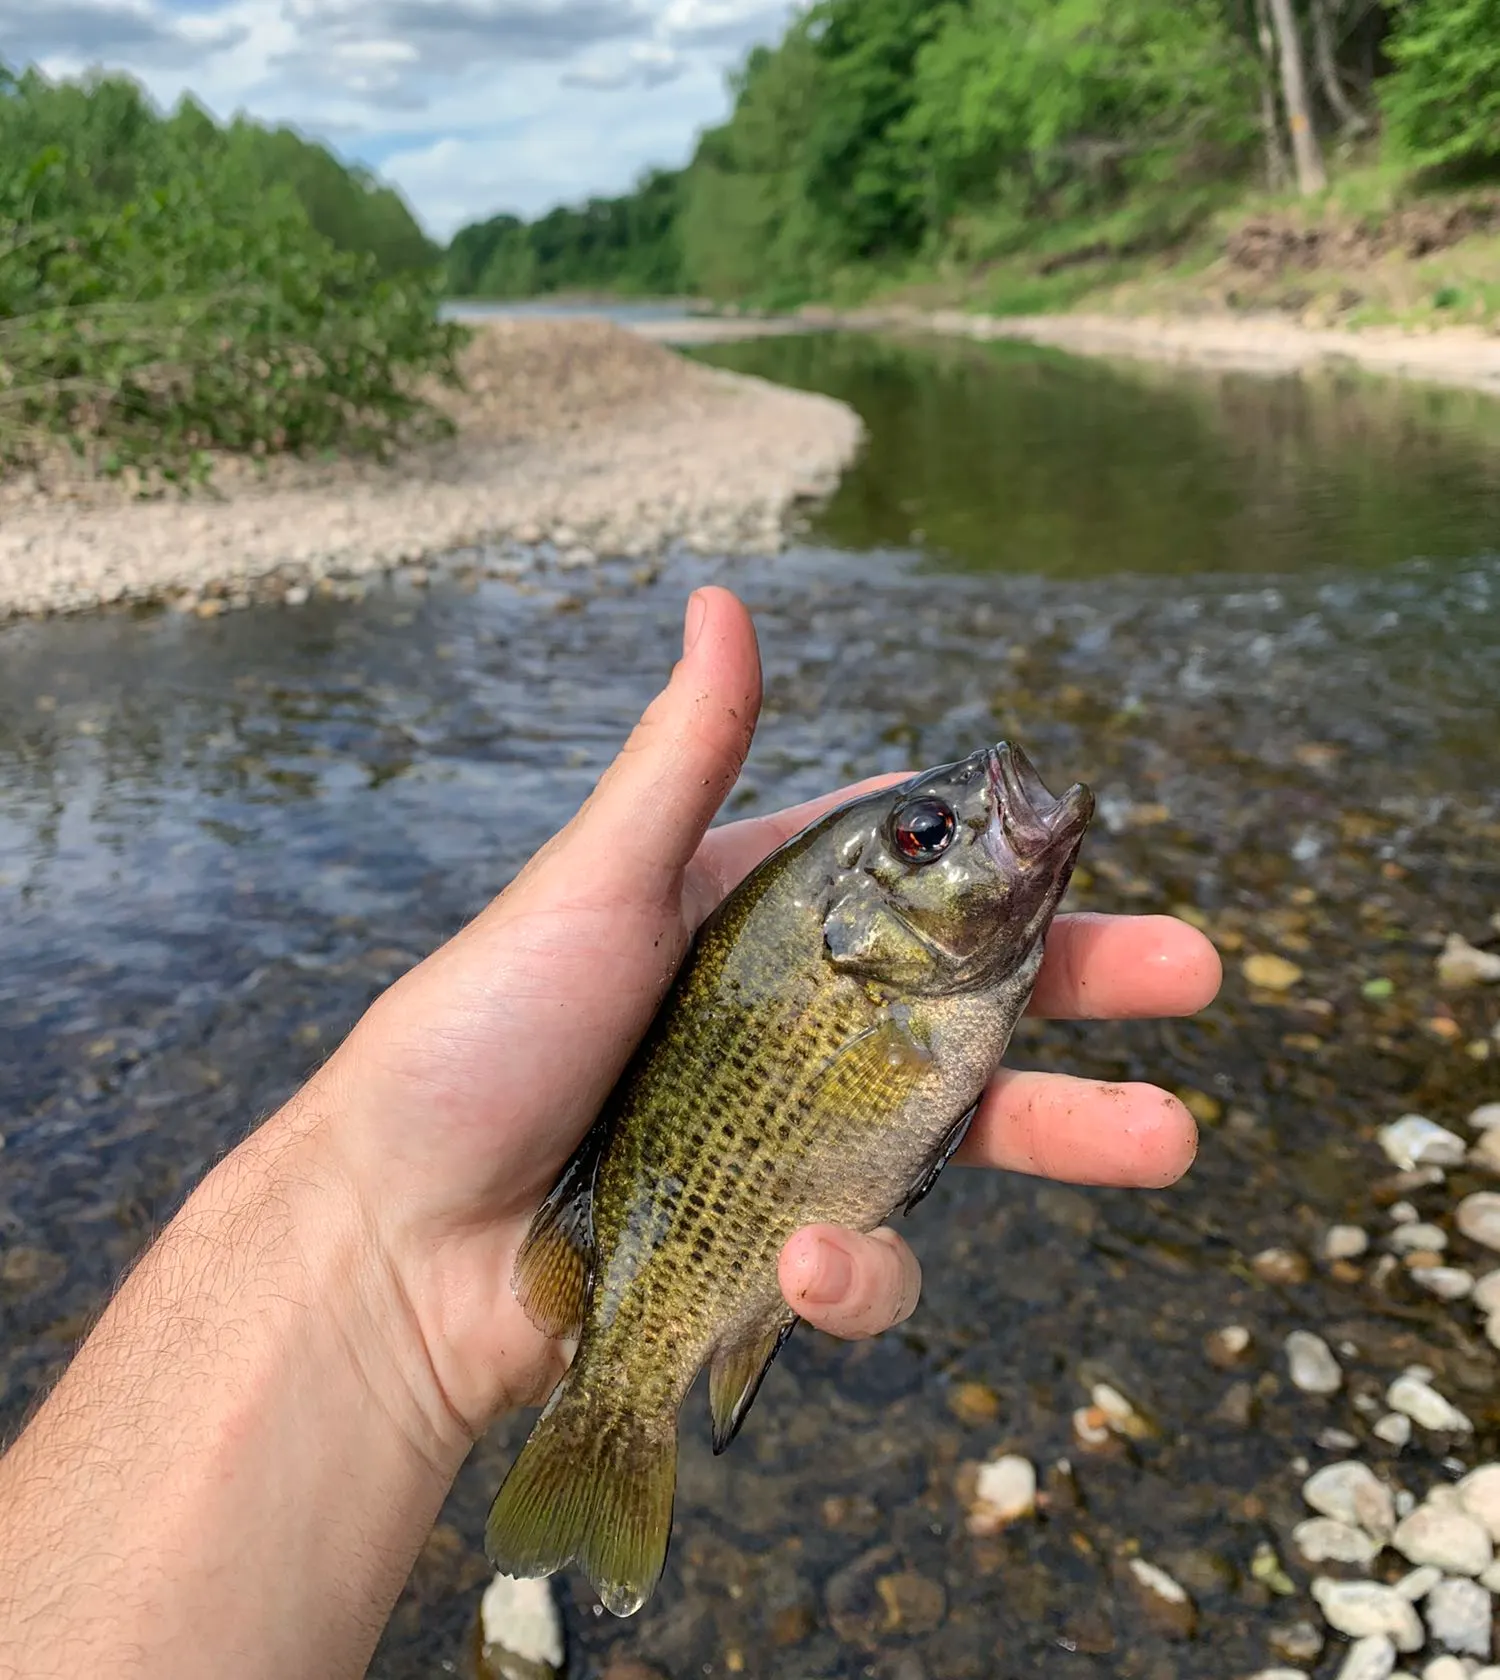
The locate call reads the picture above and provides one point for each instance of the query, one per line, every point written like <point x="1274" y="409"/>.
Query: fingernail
<point x="832" y="1277"/>
<point x="697" y="611"/>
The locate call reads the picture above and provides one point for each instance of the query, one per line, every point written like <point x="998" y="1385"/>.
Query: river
<point x="1258" y="615"/>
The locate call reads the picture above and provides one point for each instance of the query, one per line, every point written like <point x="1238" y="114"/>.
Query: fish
<point x="818" y="1059"/>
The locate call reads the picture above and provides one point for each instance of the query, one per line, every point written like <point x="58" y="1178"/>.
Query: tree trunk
<point x="1352" y="121"/>
<point x="1277" y="172"/>
<point x="1309" y="160"/>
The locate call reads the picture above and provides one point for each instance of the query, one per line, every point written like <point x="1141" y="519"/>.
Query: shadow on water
<point x="219" y="841"/>
<point x="1013" y="457"/>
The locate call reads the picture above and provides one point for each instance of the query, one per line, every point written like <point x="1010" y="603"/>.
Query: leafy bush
<point x="158" y="301"/>
<point x="1442" y="102"/>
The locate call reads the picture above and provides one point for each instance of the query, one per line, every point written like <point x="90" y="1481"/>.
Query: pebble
<point x="1270" y="972"/>
<point x="1280" y="1265"/>
<point x="1004" y="1490"/>
<point x="1310" y="1360"/>
<point x="1394" y="1428"/>
<point x="1490" y="1580"/>
<point x="1228" y="1346"/>
<point x="1448" y="1283"/>
<point x="974" y="1403"/>
<point x="1461" y="964"/>
<point x="1445" y="1668"/>
<point x="1417" y="1583"/>
<point x="1365" y="1608"/>
<point x="1459" y="1615"/>
<point x="1324" y="1540"/>
<point x="1479" y="1492"/>
<point x="1279" y="1674"/>
<point x="1372" y="1658"/>
<point x="1416" y="1141"/>
<point x="1478" y="1217"/>
<point x="1301" y="1641"/>
<point x="1425" y="1406"/>
<point x="1119" y="1413"/>
<point x="1407" y="1238"/>
<point x="1352" y="1493"/>
<point x="1486" y="1153"/>
<point x="1165" y="1601"/>
<point x="1485" y="1116"/>
<point x="1345" y="1242"/>
<point x="1451" y="1541"/>
<point x="519" y="1618"/>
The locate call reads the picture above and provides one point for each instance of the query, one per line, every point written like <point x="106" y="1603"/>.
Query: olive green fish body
<point x="815" y="1062"/>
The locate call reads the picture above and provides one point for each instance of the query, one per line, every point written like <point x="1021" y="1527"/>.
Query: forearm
<point x="234" y="1476"/>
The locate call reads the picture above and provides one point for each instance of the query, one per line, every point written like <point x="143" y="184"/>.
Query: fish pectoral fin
<point x="555" y="1262"/>
<point x="873" y="1074"/>
<point x="946" y="1150"/>
<point x="736" y="1373"/>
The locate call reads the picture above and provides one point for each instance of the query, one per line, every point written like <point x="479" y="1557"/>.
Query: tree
<point x="1443" y="100"/>
<point x="1305" y="150"/>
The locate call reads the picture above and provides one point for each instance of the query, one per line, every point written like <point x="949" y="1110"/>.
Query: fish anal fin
<point x="555" y="1262"/>
<point x="736" y="1372"/>
<point x="946" y="1150"/>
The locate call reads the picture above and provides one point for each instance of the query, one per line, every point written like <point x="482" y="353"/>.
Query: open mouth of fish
<point x="1028" y="823"/>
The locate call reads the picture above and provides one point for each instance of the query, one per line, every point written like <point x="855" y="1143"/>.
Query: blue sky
<point x="469" y="106"/>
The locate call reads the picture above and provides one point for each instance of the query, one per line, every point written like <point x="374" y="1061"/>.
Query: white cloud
<point x="470" y="106"/>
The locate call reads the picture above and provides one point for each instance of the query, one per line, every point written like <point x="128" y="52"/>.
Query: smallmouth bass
<point x="818" y="1059"/>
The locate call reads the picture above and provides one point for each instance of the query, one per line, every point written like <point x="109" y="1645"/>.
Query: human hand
<point x="452" y="1107"/>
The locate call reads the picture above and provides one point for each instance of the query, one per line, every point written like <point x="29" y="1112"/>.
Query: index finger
<point x="1119" y="968"/>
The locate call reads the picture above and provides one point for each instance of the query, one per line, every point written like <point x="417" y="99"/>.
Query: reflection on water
<point x="218" y="841"/>
<point x="1018" y="458"/>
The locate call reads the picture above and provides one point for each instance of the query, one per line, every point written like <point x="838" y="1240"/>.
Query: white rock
<point x="1461" y="964"/>
<point x="1486" y="1153"/>
<point x="1490" y="1580"/>
<point x="1478" y="1217"/>
<point x="1492" y="1330"/>
<point x="1450" y="1540"/>
<point x="1006" y="1488"/>
<point x="1445" y="1668"/>
<point x="1394" y="1428"/>
<point x="521" y="1618"/>
<point x="1119" y="1413"/>
<point x="1415" y="1141"/>
<point x="1485" y="1673"/>
<point x="1323" y="1540"/>
<point x="1364" y="1608"/>
<point x="1337" y="1440"/>
<point x="1487" y="1292"/>
<point x="1480" y="1493"/>
<point x="1417" y="1583"/>
<point x="1403" y="1213"/>
<point x="1485" y="1116"/>
<point x="1459" y="1616"/>
<point x="1406" y="1238"/>
<point x="1425" y="1406"/>
<point x="1345" y="1242"/>
<point x="1352" y="1493"/>
<point x="1310" y="1360"/>
<point x="1157" y="1581"/>
<point x="1448" y="1283"/>
<point x="1279" y="1674"/>
<point x="1372" y="1658"/>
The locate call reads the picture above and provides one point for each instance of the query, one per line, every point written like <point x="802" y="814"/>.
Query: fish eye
<point x="922" y="830"/>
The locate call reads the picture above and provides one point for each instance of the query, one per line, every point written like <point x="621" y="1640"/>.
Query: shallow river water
<point x="1259" y="616"/>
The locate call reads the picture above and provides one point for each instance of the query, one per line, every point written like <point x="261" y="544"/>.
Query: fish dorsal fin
<point x="736" y="1373"/>
<point x="555" y="1262"/>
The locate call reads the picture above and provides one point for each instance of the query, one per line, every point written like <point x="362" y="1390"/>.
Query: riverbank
<point x="575" y="433"/>
<point x="1467" y="356"/>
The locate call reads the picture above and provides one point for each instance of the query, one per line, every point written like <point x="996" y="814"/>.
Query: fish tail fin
<point x="593" y="1485"/>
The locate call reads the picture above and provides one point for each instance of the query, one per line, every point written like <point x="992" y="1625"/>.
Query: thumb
<point x="644" y="820"/>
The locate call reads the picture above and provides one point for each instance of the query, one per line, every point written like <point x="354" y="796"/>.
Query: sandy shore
<point x="576" y="433"/>
<point x="1259" y="343"/>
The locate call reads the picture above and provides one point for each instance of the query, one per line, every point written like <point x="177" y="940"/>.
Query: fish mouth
<point x="1027" y="819"/>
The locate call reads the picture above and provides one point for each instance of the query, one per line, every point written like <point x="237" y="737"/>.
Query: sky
<point x="468" y="106"/>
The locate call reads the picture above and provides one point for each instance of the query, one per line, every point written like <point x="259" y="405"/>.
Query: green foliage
<point x="626" y="245"/>
<point x="160" y="298"/>
<point x="1442" y="103"/>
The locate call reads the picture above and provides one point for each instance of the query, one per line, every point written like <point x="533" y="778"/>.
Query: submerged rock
<point x="1461" y="964"/>
<point x="1345" y="1242"/>
<point x="1416" y="1141"/>
<point x="1459" y="1616"/>
<point x="1478" y="1217"/>
<point x="1452" y="1541"/>
<point x="1311" y="1363"/>
<point x="1325" y="1540"/>
<point x="1425" y="1406"/>
<point x="1479" y="1493"/>
<point x="1372" y="1658"/>
<point x="1352" y="1493"/>
<point x="521" y="1630"/>
<point x="1164" y="1600"/>
<point x="1004" y="1490"/>
<point x="1363" y="1609"/>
